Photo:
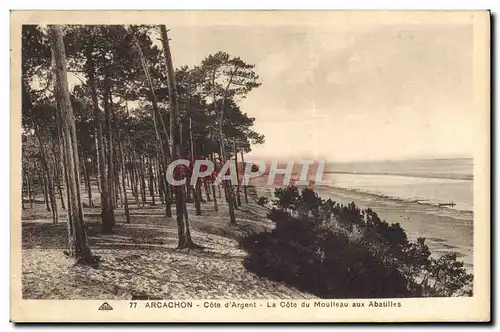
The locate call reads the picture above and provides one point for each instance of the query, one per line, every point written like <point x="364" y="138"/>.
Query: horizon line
<point x="288" y="159"/>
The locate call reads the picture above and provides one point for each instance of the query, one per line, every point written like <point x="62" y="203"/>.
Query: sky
<point x="349" y="92"/>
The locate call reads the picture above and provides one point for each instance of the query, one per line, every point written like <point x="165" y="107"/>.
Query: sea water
<point x="435" y="182"/>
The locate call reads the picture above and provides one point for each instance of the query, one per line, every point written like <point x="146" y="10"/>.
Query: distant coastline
<point x="468" y="177"/>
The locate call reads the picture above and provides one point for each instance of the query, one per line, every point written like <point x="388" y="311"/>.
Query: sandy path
<point x="139" y="259"/>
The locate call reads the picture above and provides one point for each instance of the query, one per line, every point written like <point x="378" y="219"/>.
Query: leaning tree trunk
<point x="80" y="248"/>
<point x="107" y="212"/>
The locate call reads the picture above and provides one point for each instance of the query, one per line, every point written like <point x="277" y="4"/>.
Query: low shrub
<point x="262" y="201"/>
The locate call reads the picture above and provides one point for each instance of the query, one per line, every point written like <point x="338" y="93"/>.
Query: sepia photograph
<point x="191" y="165"/>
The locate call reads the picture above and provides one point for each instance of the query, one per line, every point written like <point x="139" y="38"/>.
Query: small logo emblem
<point x="105" y="306"/>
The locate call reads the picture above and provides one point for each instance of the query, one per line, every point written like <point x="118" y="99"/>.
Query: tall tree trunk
<point x="48" y="181"/>
<point x="113" y="129"/>
<point x="43" y="180"/>
<point x="167" y="190"/>
<point x="30" y="195"/>
<point x="130" y="171"/>
<point x="227" y="186"/>
<point x="107" y="212"/>
<point x="165" y="149"/>
<point x="80" y="249"/>
<point x="64" y="166"/>
<point x="151" y="182"/>
<point x="118" y="187"/>
<point x="59" y="188"/>
<point x="23" y="189"/>
<point x="127" y="173"/>
<point x="57" y="171"/>
<point x="109" y="145"/>
<point x="228" y="190"/>
<point x="182" y="224"/>
<point x="124" y="188"/>
<point x="216" y="207"/>
<point x="196" y="192"/>
<point x="143" y="181"/>
<point x="87" y="180"/>
<point x="238" y="198"/>
<point x="55" y="181"/>
<point x="161" y="184"/>
<point x="50" y="185"/>
<point x="33" y="184"/>
<point x="69" y="197"/>
<point x="197" y="197"/>
<point x="243" y="177"/>
<point x="137" y="182"/>
<point x="187" y="190"/>
<point x="207" y="191"/>
<point x="156" y="186"/>
<point x="121" y="188"/>
<point x="133" y="175"/>
<point x="98" y="168"/>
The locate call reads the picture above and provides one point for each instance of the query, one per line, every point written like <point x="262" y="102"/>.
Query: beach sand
<point x="445" y="230"/>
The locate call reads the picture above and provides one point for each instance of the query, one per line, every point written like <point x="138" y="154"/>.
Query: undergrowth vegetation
<point x="339" y="251"/>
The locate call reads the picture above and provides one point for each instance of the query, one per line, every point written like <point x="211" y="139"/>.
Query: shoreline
<point x="445" y="230"/>
<point x="431" y="207"/>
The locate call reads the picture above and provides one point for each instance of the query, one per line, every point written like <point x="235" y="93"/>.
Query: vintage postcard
<point x="250" y="166"/>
